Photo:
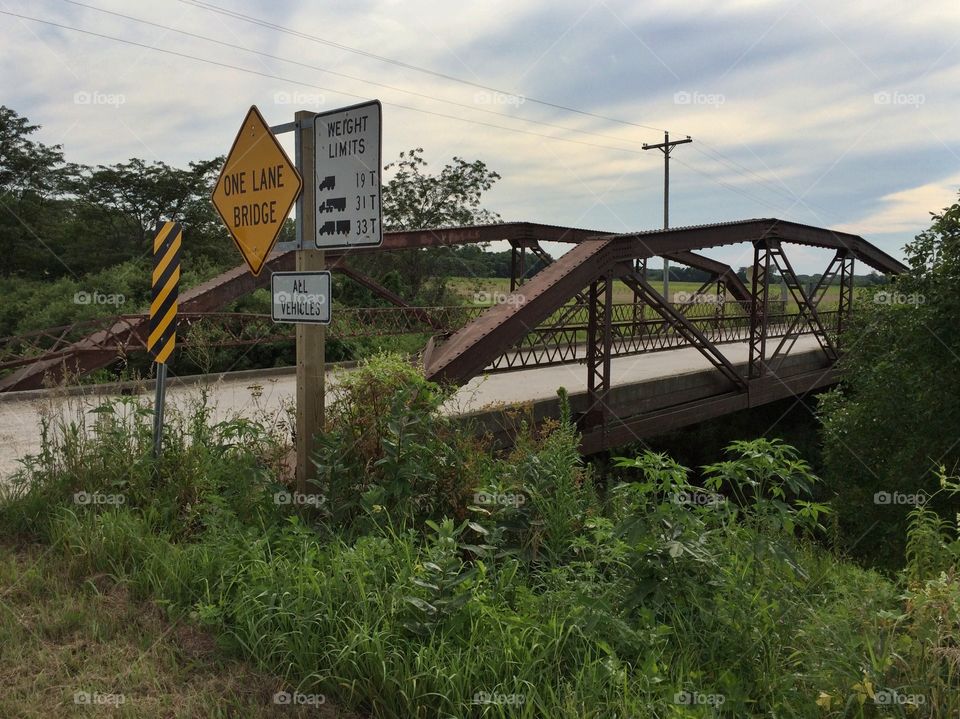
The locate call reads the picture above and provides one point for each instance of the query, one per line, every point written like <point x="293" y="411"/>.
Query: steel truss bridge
<point x="591" y="305"/>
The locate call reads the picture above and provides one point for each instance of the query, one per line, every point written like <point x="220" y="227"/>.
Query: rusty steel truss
<point x="225" y="329"/>
<point x="50" y="356"/>
<point x="567" y="312"/>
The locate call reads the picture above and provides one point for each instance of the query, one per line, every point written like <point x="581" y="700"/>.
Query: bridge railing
<point x="124" y="334"/>
<point x="637" y="330"/>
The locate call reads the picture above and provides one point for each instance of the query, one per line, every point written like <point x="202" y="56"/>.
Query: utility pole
<point x="666" y="147"/>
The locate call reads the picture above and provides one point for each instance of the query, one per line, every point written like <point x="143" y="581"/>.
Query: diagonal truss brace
<point x="807" y="310"/>
<point x="379" y="290"/>
<point x="682" y="326"/>
<point x="684" y="307"/>
<point x="582" y="298"/>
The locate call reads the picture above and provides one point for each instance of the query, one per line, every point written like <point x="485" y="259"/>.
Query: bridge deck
<point x="541" y="383"/>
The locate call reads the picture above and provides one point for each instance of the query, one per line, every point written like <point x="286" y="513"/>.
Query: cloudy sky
<point x="838" y="114"/>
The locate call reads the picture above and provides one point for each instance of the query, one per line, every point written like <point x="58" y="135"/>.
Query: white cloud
<point x="799" y="129"/>
<point x="907" y="211"/>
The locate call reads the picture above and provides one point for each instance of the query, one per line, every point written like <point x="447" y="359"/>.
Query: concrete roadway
<point x="267" y="394"/>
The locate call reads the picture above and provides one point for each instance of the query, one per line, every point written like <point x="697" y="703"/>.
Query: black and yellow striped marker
<point x="166" y="291"/>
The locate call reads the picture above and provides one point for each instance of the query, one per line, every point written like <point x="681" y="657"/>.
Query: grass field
<point x="430" y="575"/>
<point x="487" y="290"/>
<point x="84" y="647"/>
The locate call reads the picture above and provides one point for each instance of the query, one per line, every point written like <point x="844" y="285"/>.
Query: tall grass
<point x="434" y="577"/>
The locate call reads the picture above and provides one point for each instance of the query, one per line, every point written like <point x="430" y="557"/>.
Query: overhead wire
<point x="345" y="93"/>
<point x="718" y="155"/>
<point x="337" y="73"/>
<point x="210" y="7"/>
<point x="714" y="153"/>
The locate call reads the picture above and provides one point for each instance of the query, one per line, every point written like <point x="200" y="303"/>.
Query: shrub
<point x="388" y="444"/>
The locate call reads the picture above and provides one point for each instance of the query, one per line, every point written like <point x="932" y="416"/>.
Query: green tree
<point x="32" y="213"/>
<point x="123" y="203"/>
<point x="896" y="419"/>
<point x="415" y="199"/>
<point x="27" y="166"/>
<point x="59" y="219"/>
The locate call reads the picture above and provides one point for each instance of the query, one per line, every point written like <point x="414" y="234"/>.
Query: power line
<point x="732" y="188"/>
<point x="785" y="192"/>
<point x="312" y="85"/>
<point x="337" y="73"/>
<point x="210" y="7"/>
<point x="746" y="172"/>
<point x="399" y="63"/>
<point x="397" y="105"/>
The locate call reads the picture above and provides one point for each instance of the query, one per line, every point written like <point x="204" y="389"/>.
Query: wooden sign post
<point x="311" y="338"/>
<point x="338" y="161"/>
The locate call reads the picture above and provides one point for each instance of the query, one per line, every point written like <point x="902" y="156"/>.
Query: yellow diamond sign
<point x="256" y="190"/>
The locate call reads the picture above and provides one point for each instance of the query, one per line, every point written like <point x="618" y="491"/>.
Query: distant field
<point x="485" y="290"/>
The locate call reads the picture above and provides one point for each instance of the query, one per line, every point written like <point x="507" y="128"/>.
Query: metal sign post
<point x="159" y="399"/>
<point x="165" y="284"/>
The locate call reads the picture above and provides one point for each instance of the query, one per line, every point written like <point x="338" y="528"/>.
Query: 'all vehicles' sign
<point x="347" y="176"/>
<point x="300" y="297"/>
<point x="256" y="190"/>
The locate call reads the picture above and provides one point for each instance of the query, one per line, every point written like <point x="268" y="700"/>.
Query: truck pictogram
<point x="333" y="204"/>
